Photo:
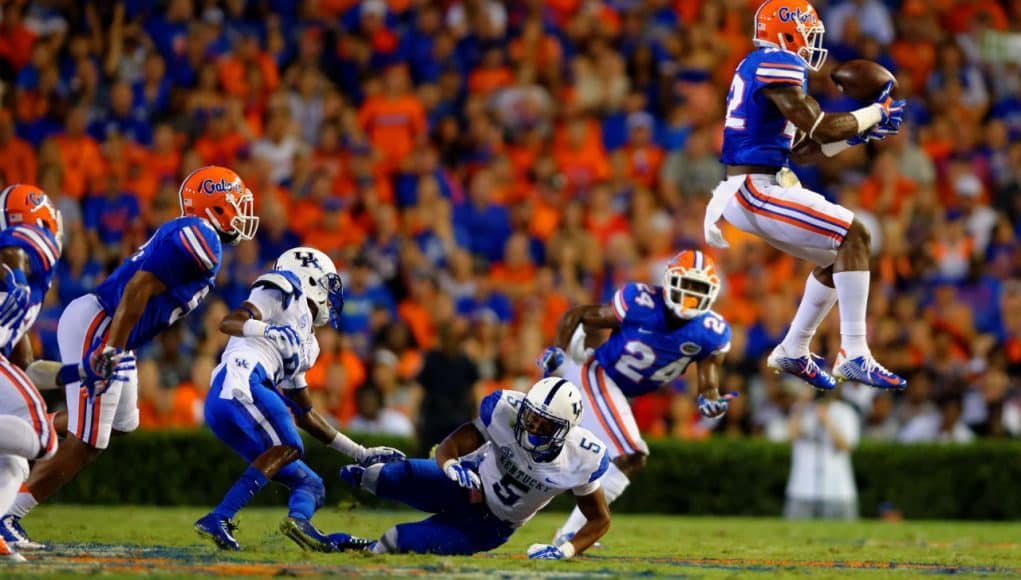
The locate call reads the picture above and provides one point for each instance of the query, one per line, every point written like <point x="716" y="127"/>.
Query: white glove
<point x="287" y="343"/>
<point x="382" y="454"/>
<point x="550" y="552"/>
<point x="576" y="349"/>
<point x="462" y="475"/>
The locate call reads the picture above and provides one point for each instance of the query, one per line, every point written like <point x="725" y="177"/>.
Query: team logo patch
<point x="785" y="14"/>
<point x="308" y="259"/>
<point x="211" y="186"/>
<point x="690" y="348"/>
<point x="35" y="198"/>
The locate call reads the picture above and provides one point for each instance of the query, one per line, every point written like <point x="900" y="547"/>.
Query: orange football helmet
<point x="690" y="284"/>
<point x="794" y="26"/>
<point x="27" y="204"/>
<point x="217" y="195"/>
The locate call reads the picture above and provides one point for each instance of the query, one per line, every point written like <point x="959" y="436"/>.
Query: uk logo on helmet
<point x="211" y="186"/>
<point x="785" y="14"/>
<point x="308" y="259"/>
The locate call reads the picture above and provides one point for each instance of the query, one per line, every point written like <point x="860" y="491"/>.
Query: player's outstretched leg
<point x="307" y="495"/>
<point x="419" y="483"/>
<point x="793" y="355"/>
<point x="851" y="279"/>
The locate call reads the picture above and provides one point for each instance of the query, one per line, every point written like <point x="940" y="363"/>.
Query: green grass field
<point x="125" y="541"/>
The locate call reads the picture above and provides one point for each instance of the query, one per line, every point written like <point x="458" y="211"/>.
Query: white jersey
<point x="280" y="302"/>
<point x="516" y="487"/>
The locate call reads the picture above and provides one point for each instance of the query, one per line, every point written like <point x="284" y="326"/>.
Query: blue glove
<point x="550" y="360"/>
<point x="462" y="475"/>
<point x="17" y="297"/>
<point x="545" y="552"/>
<point x="715" y="409"/>
<point x="99" y="362"/>
<point x="124" y="365"/>
<point x="382" y="454"/>
<point x="891" y="109"/>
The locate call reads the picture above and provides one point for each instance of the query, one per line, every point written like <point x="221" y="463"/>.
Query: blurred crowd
<point x="476" y="167"/>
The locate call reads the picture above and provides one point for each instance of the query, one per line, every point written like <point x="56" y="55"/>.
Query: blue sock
<point x="302" y="504"/>
<point x="244" y="489"/>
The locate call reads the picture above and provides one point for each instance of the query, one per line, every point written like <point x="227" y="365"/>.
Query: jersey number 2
<point x="640" y="357"/>
<point x="734" y="100"/>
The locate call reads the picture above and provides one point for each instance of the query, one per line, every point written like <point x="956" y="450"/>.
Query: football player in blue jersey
<point x="30" y="245"/>
<point x="656" y="332"/>
<point x="771" y="121"/>
<point x="163" y="281"/>
<point x="259" y="396"/>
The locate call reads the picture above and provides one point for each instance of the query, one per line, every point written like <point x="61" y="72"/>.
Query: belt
<point x="733" y="170"/>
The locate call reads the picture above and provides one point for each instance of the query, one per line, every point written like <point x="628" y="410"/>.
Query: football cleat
<point x="352" y="474"/>
<point x="806" y="367"/>
<point x="864" y="369"/>
<point x="343" y="542"/>
<point x="16" y="536"/>
<point x="220" y="530"/>
<point x="307" y="536"/>
<point x="550" y="361"/>
<point x="9" y="555"/>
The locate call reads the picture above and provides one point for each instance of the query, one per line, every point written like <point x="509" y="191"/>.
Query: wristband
<point x="254" y="327"/>
<point x="568" y="550"/>
<point x="868" y="117"/>
<point x="345" y="445"/>
<point x="831" y="149"/>
<point x="69" y="374"/>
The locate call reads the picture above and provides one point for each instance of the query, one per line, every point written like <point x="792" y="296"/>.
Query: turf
<point x="125" y="541"/>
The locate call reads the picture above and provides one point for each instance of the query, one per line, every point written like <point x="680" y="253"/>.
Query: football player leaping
<point x="163" y="281"/>
<point x="656" y="333"/>
<point x="30" y="245"/>
<point x="490" y="476"/>
<point x="260" y="382"/>
<point x="768" y="115"/>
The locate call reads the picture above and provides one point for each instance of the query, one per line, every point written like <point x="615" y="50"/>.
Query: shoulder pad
<point x="37" y="242"/>
<point x="284" y="282"/>
<point x="488" y="406"/>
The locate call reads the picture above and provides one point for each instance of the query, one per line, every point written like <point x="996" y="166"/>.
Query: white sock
<point x="815" y="305"/>
<point x="23" y="503"/>
<point x="853" y="298"/>
<point x="13" y="472"/>
<point x="614" y="482"/>
<point x="17" y="437"/>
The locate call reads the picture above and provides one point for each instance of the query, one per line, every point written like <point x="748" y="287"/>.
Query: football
<point x="861" y="79"/>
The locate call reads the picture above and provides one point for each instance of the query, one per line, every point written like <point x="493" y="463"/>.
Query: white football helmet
<point x="690" y="284"/>
<point x="319" y="281"/>
<point x="547" y="414"/>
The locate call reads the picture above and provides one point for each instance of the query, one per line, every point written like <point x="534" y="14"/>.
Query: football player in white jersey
<point x="491" y="475"/>
<point x="260" y="384"/>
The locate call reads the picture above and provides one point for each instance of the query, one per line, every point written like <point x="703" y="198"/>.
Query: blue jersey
<point x="652" y="348"/>
<point x="185" y="255"/>
<point x="43" y="252"/>
<point x="755" y="132"/>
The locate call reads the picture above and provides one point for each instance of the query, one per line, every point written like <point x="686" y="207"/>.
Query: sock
<point x="17" y="437"/>
<point x="23" y="503"/>
<point x="13" y="472"/>
<point x="815" y="305"/>
<point x="614" y="482"/>
<point x="853" y="298"/>
<point x="301" y="505"/>
<point x="243" y="490"/>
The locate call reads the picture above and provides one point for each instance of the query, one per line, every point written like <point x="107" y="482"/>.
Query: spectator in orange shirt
<point x="516" y="274"/>
<point x="580" y="156"/>
<point x="886" y="190"/>
<point x="644" y="158"/>
<point x="80" y="156"/>
<point x="603" y="221"/>
<point x="336" y="232"/>
<point x="219" y="143"/>
<point x="17" y="158"/>
<point x="247" y="55"/>
<point x="491" y="76"/>
<point x="395" y="119"/>
<point x="16" y="39"/>
<point x="164" y="162"/>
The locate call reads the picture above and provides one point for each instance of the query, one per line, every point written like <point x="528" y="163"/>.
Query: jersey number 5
<point x="504" y="489"/>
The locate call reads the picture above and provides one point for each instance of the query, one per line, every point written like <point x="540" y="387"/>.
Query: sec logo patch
<point x="690" y="348"/>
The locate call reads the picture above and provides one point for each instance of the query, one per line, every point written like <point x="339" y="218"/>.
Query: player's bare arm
<point x="597" y="512"/>
<point x="16" y="259"/>
<point x="804" y="111"/>
<point x="233" y="324"/>
<point x="462" y="441"/>
<point x="139" y="290"/>
<point x="709" y="376"/>
<point x="591" y="315"/>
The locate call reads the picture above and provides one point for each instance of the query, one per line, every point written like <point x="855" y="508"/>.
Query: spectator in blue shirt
<point x="123" y="118"/>
<point x="78" y="273"/>
<point x="486" y="223"/>
<point x="363" y="293"/>
<point x="111" y="218"/>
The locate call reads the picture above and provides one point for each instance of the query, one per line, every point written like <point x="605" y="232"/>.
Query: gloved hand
<point x="545" y="552"/>
<point x="287" y="343"/>
<point x="382" y="454"/>
<point x="16" y="299"/>
<point x="716" y="408"/>
<point x="124" y="364"/>
<point x="576" y="349"/>
<point x="550" y="360"/>
<point x="462" y="475"/>
<point x="891" y="109"/>
<point x="99" y="362"/>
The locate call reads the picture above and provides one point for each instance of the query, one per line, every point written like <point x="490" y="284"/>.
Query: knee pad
<point x="387" y="543"/>
<point x="13" y="468"/>
<point x="300" y="477"/>
<point x="370" y="479"/>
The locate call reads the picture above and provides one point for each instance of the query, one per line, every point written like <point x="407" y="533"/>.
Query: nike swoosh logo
<point x="889" y="380"/>
<point x="643" y="331"/>
<point x="548" y="480"/>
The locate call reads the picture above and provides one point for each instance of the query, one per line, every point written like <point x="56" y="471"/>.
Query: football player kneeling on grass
<point x="260" y="383"/>
<point x="490" y="476"/>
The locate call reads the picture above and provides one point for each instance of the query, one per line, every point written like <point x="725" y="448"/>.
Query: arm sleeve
<point x="780" y="68"/>
<point x="592" y="484"/>
<point x="187" y="253"/>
